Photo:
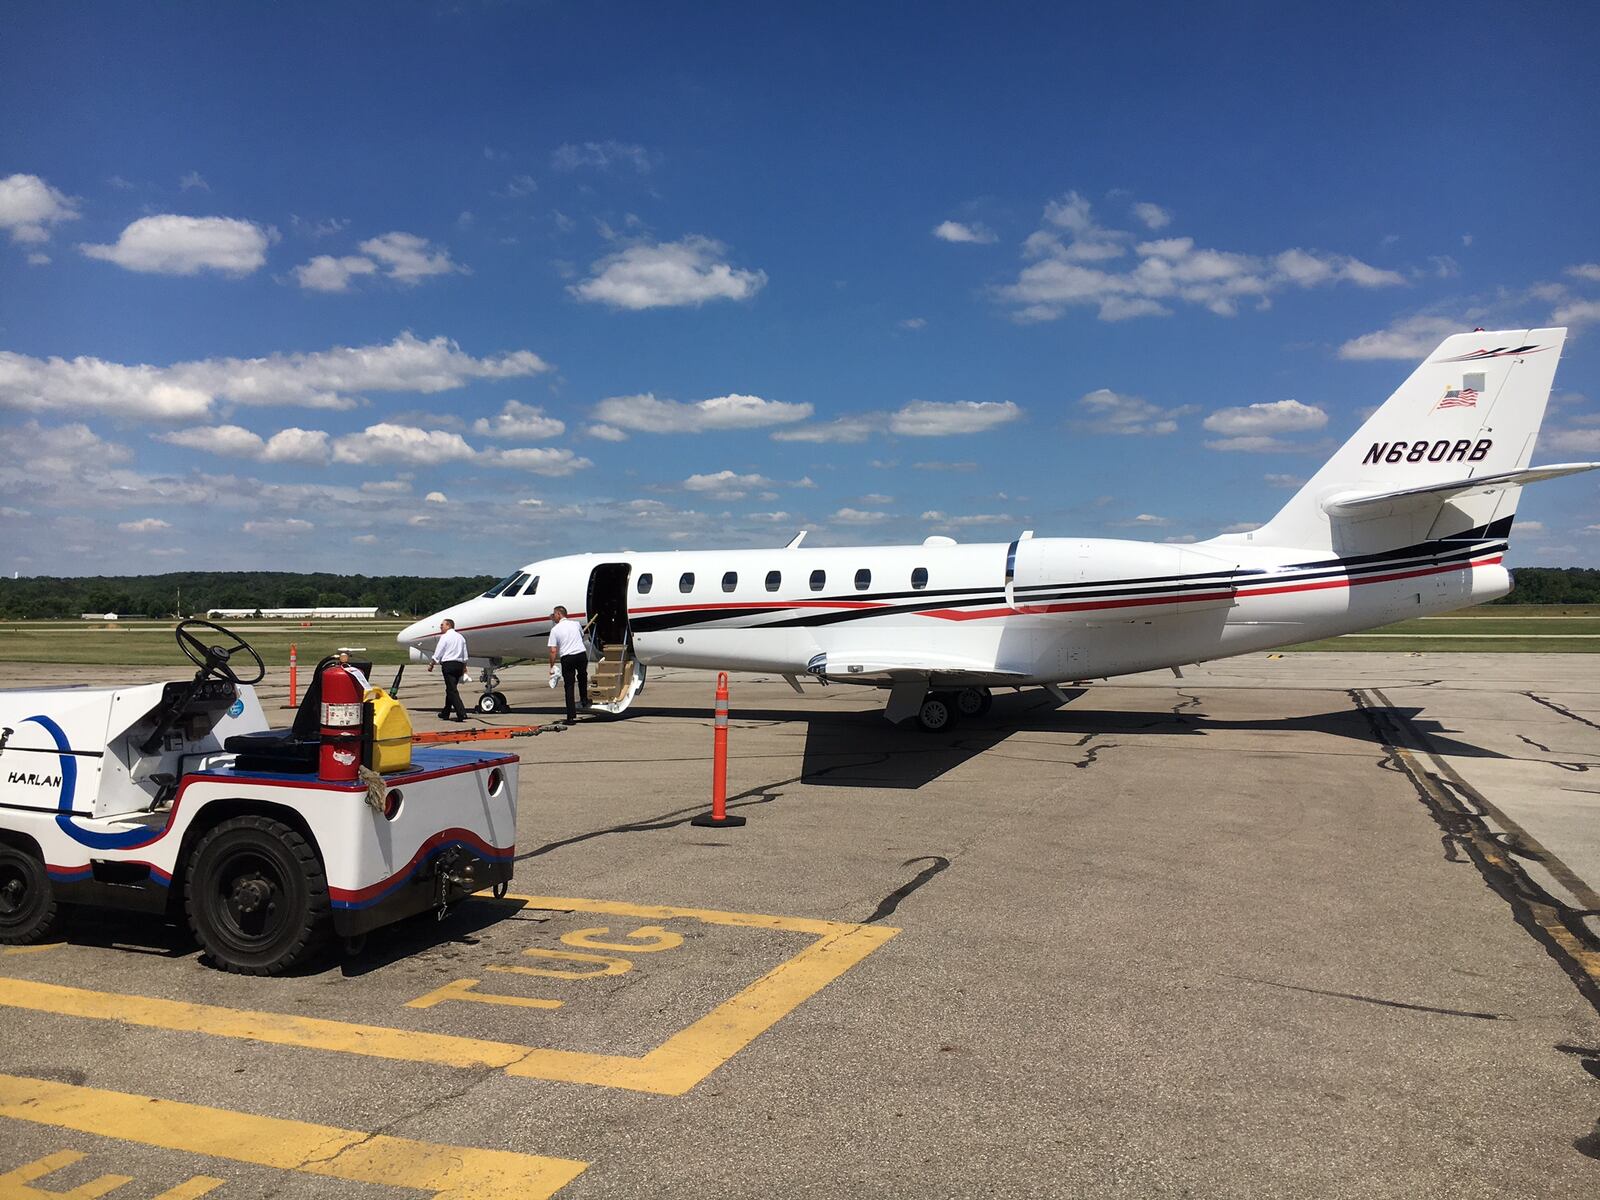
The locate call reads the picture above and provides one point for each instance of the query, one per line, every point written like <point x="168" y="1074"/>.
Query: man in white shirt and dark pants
<point x="567" y="649"/>
<point x="450" y="656"/>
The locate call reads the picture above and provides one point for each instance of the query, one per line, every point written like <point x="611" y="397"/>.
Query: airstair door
<point x="618" y="676"/>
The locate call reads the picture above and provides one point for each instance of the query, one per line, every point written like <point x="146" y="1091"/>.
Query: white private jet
<point x="1409" y="518"/>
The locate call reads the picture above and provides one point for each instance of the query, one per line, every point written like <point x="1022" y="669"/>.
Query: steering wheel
<point x="216" y="660"/>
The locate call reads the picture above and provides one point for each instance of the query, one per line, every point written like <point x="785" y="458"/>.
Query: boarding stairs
<point x="615" y="679"/>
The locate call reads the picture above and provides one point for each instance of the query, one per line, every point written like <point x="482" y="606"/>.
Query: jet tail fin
<point x="1444" y="456"/>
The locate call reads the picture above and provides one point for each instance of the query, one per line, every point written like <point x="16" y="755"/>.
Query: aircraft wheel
<point x="27" y="898"/>
<point x="257" y="896"/>
<point x="937" y="714"/>
<point x="974" y="701"/>
<point x="501" y="704"/>
<point x="489" y="702"/>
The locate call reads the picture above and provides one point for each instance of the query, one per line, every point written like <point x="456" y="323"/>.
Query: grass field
<point x="1553" y="629"/>
<point x="150" y="643"/>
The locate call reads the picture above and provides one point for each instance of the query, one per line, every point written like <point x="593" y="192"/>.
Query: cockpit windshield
<point x="505" y="584"/>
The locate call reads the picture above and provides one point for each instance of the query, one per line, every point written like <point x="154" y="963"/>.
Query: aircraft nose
<point x="413" y="634"/>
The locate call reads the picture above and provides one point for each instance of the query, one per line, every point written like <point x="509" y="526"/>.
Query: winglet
<point x="794" y="542"/>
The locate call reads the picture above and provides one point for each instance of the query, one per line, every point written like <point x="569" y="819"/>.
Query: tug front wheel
<point x="257" y="896"/>
<point x="27" y="899"/>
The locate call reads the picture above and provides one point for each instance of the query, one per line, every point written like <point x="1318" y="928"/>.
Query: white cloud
<point x="29" y="206"/>
<point x="945" y="466"/>
<point x="913" y="323"/>
<point x="1578" y="312"/>
<point x="1240" y="527"/>
<point x="1106" y="411"/>
<point x="1582" y="440"/>
<point x="173" y="245"/>
<point x="605" y="433"/>
<point x="841" y="430"/>
<point x="193" y="180"/>
<point x="1145" y="520"/>
<point x="232" y="440"/>
<point x="519" y="420"/>
<point x="855" y="516"/>
<point x="1169" y="271"/>
<point x="1279" y="416"/>
<point x="516" y="188"/>
<point x="287" y="445"/>
<point x="409" y="258"/>
<point x="970" y="519"/>
<point x="539" y="461"/>
<point x="677" y="274"/>
<point x="435" y="498"/>
<point x="602" y="156"/>
<point x="147" y="525"/>
<point x="1153" y="216"/>
<point x="185" y="391"/>
<point x="726" y="485"/>
<point x="385" y="443"/>
<point x="37" y="258"/>
<point x="1407" y="338"/>
<point x="646" y="414"/>
<point x="1283" y="481"/>
<point x="771" y="517"/>
<point x="955" y="231"/>
<point x="287" y="527"/>
<point x="1589" y="271"/>
<point x="1530" y="526"/>
<point x="919" y="418"/>
<point x="326" y="273"/>
<point x="929" y="418"/>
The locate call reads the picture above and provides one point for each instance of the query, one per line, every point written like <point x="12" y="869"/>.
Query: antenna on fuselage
<point x="794" y="542"/>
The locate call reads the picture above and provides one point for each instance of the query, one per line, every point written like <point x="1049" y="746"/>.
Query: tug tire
<point x="257" y="896"/>
<point x="27" y="897"/>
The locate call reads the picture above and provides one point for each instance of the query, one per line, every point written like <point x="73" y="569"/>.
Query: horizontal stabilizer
<point x="1353" y="504"/>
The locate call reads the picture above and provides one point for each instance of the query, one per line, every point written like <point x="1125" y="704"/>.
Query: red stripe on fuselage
<point x="1192" y="598"/>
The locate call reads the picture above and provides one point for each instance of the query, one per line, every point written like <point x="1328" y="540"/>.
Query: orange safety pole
<point x="294" y="676"/>
<point x="718" y="817"/>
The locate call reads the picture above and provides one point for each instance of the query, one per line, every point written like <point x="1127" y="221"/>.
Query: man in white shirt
<point x="450" y="656"/>
<point x="567" y="649"/>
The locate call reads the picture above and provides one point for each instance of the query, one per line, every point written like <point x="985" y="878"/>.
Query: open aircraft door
<point x="618" y="675"/>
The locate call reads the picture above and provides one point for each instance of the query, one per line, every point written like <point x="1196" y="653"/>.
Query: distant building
<point x="294" y="614"/>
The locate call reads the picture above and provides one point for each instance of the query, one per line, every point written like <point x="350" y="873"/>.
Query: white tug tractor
<point x="175" y="798"/>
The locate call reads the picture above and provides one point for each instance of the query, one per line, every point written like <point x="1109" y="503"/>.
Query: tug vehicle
<point x="176" y="798"/>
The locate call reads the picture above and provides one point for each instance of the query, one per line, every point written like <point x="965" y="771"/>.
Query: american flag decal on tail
<point x="1458" y="398"/>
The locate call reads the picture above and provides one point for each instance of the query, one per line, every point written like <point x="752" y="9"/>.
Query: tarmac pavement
<point x="1321" y="925"/>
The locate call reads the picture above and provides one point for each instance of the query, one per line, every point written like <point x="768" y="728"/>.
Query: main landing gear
<point x="940" y="710"/>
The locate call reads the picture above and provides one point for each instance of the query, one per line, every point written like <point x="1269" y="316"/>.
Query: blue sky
<point x="440" y="288"/>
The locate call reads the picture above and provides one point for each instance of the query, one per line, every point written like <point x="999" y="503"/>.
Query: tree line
<point x="191" y="593"/>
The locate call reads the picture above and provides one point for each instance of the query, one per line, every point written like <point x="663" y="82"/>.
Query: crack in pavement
<point x="1553" y="706"/>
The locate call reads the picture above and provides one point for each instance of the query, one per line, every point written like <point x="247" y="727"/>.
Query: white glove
<point x="555" y="676"/>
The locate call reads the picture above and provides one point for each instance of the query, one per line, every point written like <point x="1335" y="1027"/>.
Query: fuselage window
<point x="730" y="580"/>
<point x="863" y="579"/>
<point x="532" y="588"/>
<point x="774" y="580"/>
<point x="646" y="582"/>
<point x="686" y="582"/>
<point x="919" y="578"/>
<point x="819" y="580"/>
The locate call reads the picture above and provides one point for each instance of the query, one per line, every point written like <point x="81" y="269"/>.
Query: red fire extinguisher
<point x="341" y="725"/>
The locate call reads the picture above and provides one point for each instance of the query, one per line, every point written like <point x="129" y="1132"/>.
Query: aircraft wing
<point x="1350" y="504"/>
<point x="892" y="666"/>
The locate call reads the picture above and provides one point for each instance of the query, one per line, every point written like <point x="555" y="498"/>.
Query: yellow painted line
<point x="672" y="1068"/>
<point x="32" y="949"/>
<point x="466" y="989"/>
<point x="374" y="1041"/>
<point x="449" y="1172"/>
